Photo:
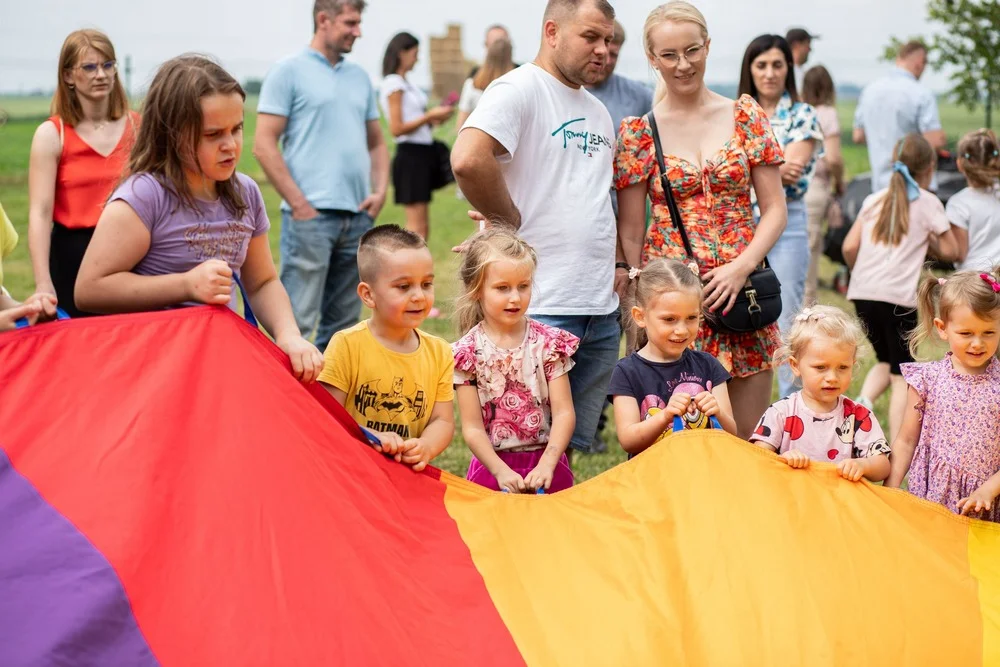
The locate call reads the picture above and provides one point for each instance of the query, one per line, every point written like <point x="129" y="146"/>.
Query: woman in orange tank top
<point x="77" y="158"/>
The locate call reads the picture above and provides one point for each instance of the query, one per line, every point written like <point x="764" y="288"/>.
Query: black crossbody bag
<point x="758" y="304"/>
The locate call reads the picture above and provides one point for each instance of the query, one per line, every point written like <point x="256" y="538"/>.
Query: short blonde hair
<point x="814" y="322"/>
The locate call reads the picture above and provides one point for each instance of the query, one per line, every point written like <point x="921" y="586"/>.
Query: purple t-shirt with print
<point x="181" y="239"/>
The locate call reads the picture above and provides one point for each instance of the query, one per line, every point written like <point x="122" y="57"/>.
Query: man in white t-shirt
<point x="537" y="154"/>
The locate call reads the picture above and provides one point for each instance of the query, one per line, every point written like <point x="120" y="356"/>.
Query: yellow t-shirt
<point x="8" y="239"/>
<point x="386" y="390"/>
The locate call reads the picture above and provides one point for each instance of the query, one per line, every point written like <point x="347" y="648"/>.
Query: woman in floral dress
<point x="768" y="76"/>
<point x="716" y="149"/>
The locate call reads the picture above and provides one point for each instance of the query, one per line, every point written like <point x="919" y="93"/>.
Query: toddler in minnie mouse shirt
<point x="818" y="423"/>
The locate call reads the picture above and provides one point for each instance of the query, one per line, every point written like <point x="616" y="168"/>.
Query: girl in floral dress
<point x="950" y="438"/>
<point x="716" y="149"/>
<point x="511" y="372"/>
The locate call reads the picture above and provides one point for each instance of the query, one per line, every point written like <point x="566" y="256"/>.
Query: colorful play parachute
<point x="170" y="495"/>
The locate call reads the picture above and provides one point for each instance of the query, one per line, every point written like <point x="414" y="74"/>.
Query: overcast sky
<point x="248" y="36"/>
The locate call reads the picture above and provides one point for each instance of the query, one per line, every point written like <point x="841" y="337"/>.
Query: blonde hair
<point x="811" y="323"/>
<point x="893" y="221"/>
<point x="492" y="245"/>
<point x="499" y="61"/>
<point x="658" y="277"/>
<point x="979" y="152"/>
<point x="65" y="103"/>
<point x="937" y="297"/>
<point x="676" y="11"/>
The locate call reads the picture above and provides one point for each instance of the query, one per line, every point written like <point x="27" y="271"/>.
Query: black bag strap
<point x="668" y="191"/>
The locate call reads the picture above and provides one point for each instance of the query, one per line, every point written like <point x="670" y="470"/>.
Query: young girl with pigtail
<point x="974" y="212"/>
<point x="950" y="438"/>
<point x="886" y="249"/>
<point x="665" y="378"/>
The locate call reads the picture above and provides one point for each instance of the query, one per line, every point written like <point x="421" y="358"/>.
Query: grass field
<point x="449" y="225"/>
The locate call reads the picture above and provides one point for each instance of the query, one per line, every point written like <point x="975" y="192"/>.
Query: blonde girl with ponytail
<point x="885" y="249"/>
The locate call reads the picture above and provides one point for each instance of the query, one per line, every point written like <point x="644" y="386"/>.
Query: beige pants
<point x="818" y="199"/>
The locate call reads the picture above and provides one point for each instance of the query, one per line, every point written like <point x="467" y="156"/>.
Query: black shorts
<point x="65" y="254"/>
<point x="413" y="173"/>
<point x="888" y="326"/>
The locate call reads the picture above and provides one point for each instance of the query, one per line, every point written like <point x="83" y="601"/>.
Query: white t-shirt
<point x="559" y="172"/>
<point x="891" y="273"/>
<point x="470" y="97"/>
<point x="414" y="106"/>
<point x="978" y="212"/>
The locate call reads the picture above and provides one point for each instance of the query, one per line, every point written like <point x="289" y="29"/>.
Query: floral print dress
<point x="513" y="384"/>
<point x="959" y="446"/>
<point x="714" y="201"/>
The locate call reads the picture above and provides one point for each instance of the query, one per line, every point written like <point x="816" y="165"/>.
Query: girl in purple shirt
<point x="184" y="223"/>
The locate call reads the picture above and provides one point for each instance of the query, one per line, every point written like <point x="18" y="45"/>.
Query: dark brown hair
<point x="894" y="217"/>
<point x="168" y="136"/>
<point x="758" y="46"/>
<point x="401" y="41"/>
<point x="817" y="87"/>
<point x="383" y="239"/>
<point x="65" y="103"/>
<point x="979" y="153"/>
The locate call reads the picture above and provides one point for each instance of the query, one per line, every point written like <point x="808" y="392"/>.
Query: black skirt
<point x="65" y="255"/>
<point x="413" y="171"/>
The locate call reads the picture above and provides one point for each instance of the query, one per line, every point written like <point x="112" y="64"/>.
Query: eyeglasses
<point x="91" y="69"/>
<point x="694" y="54"/>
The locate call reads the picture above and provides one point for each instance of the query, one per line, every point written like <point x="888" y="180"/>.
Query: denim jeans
<point x="319" y="269"/>
<point x="790" y="260"/>
<point x="600" y="342"/>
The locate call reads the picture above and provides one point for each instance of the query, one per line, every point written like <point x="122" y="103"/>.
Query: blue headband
<point x="912" y="189"/>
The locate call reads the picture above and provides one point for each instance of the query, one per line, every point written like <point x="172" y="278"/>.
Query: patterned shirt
<point x="793" y="122"/>
<point x="849" y="431"/>
<point x="513" y="384"/>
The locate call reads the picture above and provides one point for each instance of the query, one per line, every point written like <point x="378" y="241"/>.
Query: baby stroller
<point x="949" y="182"/>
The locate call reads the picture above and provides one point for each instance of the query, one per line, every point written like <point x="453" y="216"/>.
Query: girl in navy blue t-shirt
<point x="665" y="378"/>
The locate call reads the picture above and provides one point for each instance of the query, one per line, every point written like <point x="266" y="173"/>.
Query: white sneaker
<point x="861" y="400"/>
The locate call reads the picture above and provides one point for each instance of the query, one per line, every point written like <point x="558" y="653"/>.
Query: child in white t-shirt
<point x="886" y="249"/>
<point x="974" y="212"/>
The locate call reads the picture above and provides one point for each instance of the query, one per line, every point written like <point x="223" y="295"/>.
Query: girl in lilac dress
<point x="511" y="372"/>
<point x="950" y="437"/>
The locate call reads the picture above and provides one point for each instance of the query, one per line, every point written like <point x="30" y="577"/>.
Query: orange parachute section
<point x="169" y="495"/>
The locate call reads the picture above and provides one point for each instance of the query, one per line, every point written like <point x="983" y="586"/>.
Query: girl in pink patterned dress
<point x="950" y="437"/>
<point x="511" y="372"/>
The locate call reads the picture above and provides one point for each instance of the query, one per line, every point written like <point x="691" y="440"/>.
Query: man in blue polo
<point x="332" y="170"/>
<point x="894" y="106"/>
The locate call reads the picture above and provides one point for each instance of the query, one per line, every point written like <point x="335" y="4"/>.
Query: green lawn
<point x="449" y="225"/>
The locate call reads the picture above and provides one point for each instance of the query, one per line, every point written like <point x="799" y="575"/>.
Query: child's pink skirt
<point x="522" y="463"/>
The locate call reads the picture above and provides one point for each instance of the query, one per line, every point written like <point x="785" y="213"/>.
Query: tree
<point x="968" y="45"/>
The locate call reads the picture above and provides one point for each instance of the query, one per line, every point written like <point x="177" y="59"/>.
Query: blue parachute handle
<point x="23" y="322"/>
